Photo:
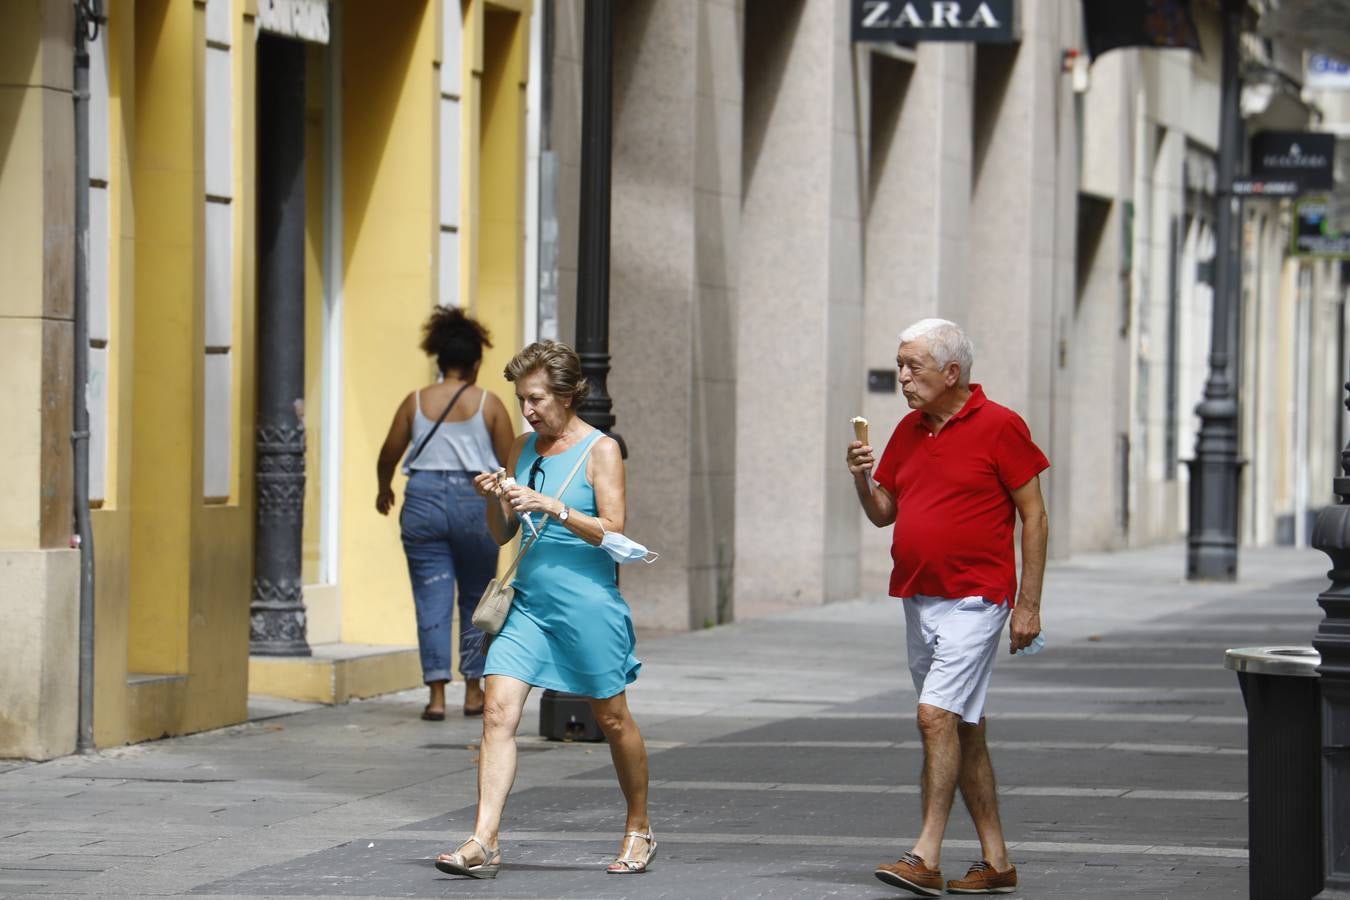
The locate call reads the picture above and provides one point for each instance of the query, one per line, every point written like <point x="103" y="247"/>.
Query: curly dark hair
<point x="454" y="338"/>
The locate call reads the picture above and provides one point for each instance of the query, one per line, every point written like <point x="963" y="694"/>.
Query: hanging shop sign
<point x="969" y="21"/>
<point x="1313" y="234"/>
<point x="304" y="20"/>
<point x="1302" y="157"/>
<point x="1138" y="23"/>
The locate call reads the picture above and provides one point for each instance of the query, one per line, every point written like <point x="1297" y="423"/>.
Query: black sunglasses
<point x="537" y="469"/>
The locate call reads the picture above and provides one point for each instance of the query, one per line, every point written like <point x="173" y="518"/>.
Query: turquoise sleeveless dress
<point x="569" y="629"/>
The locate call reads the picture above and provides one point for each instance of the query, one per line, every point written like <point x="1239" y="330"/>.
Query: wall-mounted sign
<point x="1303" y="157"/>
<point x="971" y="21"/>
<point x="304" y="20"/>
<point x="1326" y="73"/>
<point x="1313" y="234"/>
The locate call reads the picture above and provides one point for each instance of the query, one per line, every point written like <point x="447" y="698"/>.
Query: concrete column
<point x="676" y="177"/>
<point x="1012" y="228"/>
<point x="1094" y="404"/>
<point x="917" y="218"/>
<point x="39" y="651"/>
<point x="799" y="342"/>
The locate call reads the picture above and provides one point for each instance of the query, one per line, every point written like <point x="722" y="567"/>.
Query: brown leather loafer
<point x="911" y="873"/>
<point x="984" y="879"/>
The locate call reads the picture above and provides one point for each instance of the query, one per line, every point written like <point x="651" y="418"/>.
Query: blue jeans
<point x="446" y="540"/>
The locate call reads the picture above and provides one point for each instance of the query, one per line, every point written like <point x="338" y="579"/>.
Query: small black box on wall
<point x="881" y="381"/>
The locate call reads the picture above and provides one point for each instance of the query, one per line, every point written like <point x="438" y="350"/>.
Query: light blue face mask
<point x="623" y="550"/>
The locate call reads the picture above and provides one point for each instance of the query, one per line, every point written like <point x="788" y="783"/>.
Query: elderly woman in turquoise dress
<point x="569" y="629"/>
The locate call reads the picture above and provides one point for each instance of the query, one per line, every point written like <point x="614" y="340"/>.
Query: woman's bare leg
<point x="629" y="753"/>
<point x="502" y="706"/>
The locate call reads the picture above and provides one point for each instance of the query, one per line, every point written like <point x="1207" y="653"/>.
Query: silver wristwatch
<point x="562" y="516"/>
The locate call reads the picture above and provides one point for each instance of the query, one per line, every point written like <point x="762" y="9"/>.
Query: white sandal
<point x="631" y="865"/>
<point x="456" y="864"/>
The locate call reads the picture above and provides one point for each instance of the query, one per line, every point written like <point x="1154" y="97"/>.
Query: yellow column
<point x="112" y="522"/>
<point x="389" y="236"/>
<point x="498" y="143"/>
<point x="166" y="425"/>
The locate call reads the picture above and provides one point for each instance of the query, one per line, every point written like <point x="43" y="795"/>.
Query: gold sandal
<point x="632" y="865"/>
<point x="456" y="864"/>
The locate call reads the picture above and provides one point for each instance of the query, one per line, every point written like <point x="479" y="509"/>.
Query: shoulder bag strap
<point x="423" y="444"/>
<point x="506" y="576"/>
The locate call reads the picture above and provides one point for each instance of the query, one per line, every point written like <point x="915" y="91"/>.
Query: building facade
<point x="414" y="141"/>
<point x="785" y="200"/>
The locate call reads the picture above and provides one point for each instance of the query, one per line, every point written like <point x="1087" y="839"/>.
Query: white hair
<point x="946" y="343"/>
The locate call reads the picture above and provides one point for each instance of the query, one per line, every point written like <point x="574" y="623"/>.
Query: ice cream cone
<point x="859" y="429"/>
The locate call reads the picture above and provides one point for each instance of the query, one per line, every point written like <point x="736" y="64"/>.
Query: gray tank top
<point x="455" y="447"/>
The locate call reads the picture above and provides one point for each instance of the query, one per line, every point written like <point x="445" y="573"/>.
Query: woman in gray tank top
<point x="455" y="430"/>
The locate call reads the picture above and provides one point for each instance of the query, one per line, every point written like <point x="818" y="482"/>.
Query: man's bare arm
<point x="1025" y="623"/>
<point x="876" y="501"/>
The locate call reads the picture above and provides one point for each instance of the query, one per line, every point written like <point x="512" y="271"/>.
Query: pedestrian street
<point x="784" y="763"/>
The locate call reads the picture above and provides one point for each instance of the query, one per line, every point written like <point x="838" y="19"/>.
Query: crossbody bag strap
<point x="423" y="444"/>
<point x="506" y="576"/>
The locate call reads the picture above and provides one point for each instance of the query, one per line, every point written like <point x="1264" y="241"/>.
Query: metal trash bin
<point x="1282" y="692"/>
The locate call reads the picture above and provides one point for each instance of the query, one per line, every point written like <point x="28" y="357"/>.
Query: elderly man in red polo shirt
<point x="949" y="480"/>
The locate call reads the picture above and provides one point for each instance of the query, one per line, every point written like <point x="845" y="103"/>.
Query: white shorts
<point x="952" y="648"/>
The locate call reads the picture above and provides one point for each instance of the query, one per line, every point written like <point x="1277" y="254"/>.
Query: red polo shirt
<point x="954" y="509"/>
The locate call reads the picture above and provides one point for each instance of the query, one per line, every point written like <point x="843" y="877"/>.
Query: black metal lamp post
<point x="1331" y="535"/>
<point x="1211" y="551"/>
<point x="277" y="613"/>
<point x="597" y="104"/>
<point x="563" y="715"/>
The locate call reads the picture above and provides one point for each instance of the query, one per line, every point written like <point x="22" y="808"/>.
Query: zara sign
<point x="971" y="21"/>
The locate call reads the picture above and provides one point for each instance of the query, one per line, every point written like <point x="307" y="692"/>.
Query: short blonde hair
<point x="559" y="361"/>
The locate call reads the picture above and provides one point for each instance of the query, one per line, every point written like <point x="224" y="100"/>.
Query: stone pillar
<point x="918" y="219"/>
<point x="1012" y="252"/>
<point x="676" y="184"/>
<point x="1093" y="407"/>
<point x="799" y="347"/>
<point x="39" y="601"/>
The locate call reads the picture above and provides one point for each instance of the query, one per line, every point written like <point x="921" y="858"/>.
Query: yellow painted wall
<point x="222" y="535"/>
<point x="112" y="523"/>
<point x="470" y="106"/>
<point x="499" y="143"/>
<point x="390" y="172"/>
<point x="173" y="574"/>
<point x="315" y="87"/>
<point x="389" y="245"/>
<point x="36" y="255"/>
<point x="167" y="182"/>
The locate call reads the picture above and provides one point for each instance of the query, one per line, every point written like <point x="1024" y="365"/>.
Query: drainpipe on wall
<point x="88" y="17"/>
